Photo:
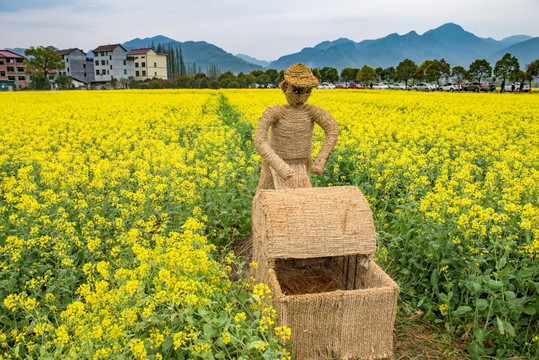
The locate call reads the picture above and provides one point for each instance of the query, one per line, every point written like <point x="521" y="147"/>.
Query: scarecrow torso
<point x="291" y="134"/>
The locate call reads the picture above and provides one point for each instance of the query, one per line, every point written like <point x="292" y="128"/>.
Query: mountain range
<point x="449" y="41"/>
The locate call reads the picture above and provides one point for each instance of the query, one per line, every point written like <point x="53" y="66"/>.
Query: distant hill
<point x="19" y="51"/>
<point x="252" y="60"/>
<point x="199" y="52"/>
<point x="526" y="52"/>
<point x="449" y="41"/>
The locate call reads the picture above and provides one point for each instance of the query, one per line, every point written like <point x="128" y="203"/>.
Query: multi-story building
<point x="12" y="69"/>
<point x="110" y="61"/>
<point x="77" y="66"/>
<point x="148" y="64"/>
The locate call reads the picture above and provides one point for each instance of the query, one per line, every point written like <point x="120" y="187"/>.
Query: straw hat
<point x="300" y="75"/>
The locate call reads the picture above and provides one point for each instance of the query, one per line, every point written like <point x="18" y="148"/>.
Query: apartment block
<point x="12" y="70"/>
<point x="148" y="64"/>
<point x="77" y="65"/>
<point x="110" y="61"/>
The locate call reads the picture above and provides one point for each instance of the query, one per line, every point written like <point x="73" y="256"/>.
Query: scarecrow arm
<point x="264" y="149"/>
<point x="331" y="129"/>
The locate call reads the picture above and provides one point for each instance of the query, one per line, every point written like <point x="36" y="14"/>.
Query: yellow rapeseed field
<point x="117" y="209"/>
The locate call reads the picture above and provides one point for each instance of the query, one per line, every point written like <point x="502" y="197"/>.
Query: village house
<point x="111" y="62"/>
<point x="148" y="64"/>
<point x="12" y="75"/>
<point x="77" y="66"/>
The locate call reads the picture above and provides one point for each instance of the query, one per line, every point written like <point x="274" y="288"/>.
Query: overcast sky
<point x="263" y="29"/>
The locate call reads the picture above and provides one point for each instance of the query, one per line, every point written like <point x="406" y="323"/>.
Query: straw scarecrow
<point x="286" y="155"/>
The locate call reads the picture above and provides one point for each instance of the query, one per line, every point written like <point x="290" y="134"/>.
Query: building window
<point x="124" y="63"/>
<point x="2" y="73"/>
<point x="155" y="73"/>
<point x="19" y="60"/>
<point x="1" y="62"/>
<point x="21" y="78"/>
<point x="97" y="72"/>
<point x="125" y="71"/>
<point x="143" y="73"/>
<point x="107" y="62"/>
<point x="67" y="60"/>
<point x="107" y="72"/>
<point x="136" y="64"/>
<point x="111" y="67"/>
<point x="143" y="64"/>
<point x="102" y="62"/>
<point x="10" y="69"/>
<point x="154" y="64"/>
<point x="85" y="75"/>
<point x="137" y="73"/>
<point x="97" y="62"/>
<point x="20" y="69"/>
<point x="142" y="57"/>
<point x="10" y="61"/>
<point x="11" y="78"/>
<point x="102" y="53"/>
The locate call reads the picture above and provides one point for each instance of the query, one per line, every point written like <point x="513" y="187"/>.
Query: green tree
<point x="256" y="73"/>
<point x="532" y="69"/>
<point x="64" y="82"/>
<point x="479" y="69"/>
<point x="366" y="74"/>
<point x="439" y="69"/>
<point x="272" y="73"/>
<point x="506" y="66"/>
<point x="405" y="70"/>
<point x="42" y="60"/>
<point x="349" y="74"/>
<point x="280" y="77"/>
<point x="388" y="74"/>
<point x="263" y="79"/>
<point x="421" y="73"/>
<point x="329" y="74"/>
<point x="459" y="72"/>
<point x="316" y="73"/>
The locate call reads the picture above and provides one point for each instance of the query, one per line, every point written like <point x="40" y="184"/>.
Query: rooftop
<point x="10" y="54"/>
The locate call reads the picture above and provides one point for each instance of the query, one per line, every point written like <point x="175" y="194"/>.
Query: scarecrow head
<point x="298" y="83"/>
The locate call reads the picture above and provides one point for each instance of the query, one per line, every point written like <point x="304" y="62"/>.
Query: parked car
<point x="477" y="87"/>
<point x="509" y="88"/>
<point x="355" y="86"/>
<point x="451" y="87"/>
<point x="339" y="86"/>
<point x="424" y="87"/>
<point x="380" y="86"/>
<point x="325" y="85"/>
<point x="397" y="86"/>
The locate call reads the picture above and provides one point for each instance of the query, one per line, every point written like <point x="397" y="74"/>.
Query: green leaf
<point x="495" y="285"/>
<point x="530" y="310"/>
<point x="461" y="310"/>
<point x="499" y="325"/>
<point x="433" y="247"/>
<point x="480" y="335"/>
<point x="502" y="263"/>
<point x="209" y="331"/>
<point x="509" y="295"/>
<point x="474" y="349"/>
<point x="476" y="287"/>
<point x="508" y="327"/>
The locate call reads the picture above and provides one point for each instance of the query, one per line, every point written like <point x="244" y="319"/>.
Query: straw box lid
<point x="313" y="222"/>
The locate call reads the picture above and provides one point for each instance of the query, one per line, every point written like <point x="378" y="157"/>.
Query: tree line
<point x="41" y="60"/>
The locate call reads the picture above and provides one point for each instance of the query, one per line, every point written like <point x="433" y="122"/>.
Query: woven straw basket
<point x="313" y="247"/>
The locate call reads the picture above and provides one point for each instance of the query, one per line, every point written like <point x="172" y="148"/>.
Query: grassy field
<point x="119" y="209"/>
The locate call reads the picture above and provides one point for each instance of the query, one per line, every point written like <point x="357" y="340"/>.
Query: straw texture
<point x="291" y="136"/>
<point x="301" y="76"/>
<point x="313" y="222"/>
<point x="351" y="324"/>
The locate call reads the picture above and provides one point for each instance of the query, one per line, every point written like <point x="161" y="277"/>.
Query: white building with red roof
<point x="148" y="64"/>
<point x="12" y="73"/>
<point x="110" y="61"/>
